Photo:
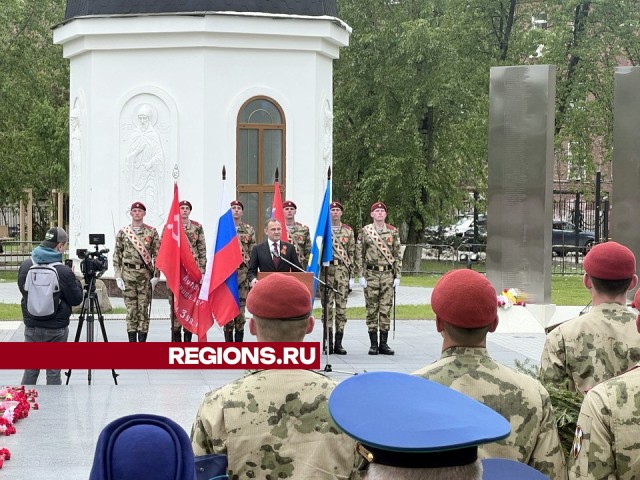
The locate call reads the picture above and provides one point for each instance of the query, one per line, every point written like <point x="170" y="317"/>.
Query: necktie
<point x="275" y="254"/>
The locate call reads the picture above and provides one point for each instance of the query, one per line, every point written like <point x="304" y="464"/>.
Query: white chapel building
<point x="185" y="87"/>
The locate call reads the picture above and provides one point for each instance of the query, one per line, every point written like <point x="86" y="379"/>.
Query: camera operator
<point x="56" y="328"/>
<point x="133" y="261"/>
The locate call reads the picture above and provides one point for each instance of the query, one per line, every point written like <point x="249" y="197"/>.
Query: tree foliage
<point x="34" y="84"/>
<point x="411" y="94"/>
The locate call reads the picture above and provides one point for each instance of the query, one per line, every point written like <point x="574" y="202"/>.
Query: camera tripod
<point x="90" y="299"/>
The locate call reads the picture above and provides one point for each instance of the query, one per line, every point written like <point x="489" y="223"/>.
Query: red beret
<point x="378" y="205"/>
<point x="238" y="203"/>
<point x="610" y="261"/>
<point x="187" y="203"/>
<point x="289" y="203"/>
<point x="138" y="205"/>
<point x="336" y="205"/>
<point x="465" y="298"/>
<point x="280" y="297"/>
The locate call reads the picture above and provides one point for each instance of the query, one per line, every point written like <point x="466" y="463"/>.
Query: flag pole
<point x="327" y="344"/>
<point x="175" y="173"/>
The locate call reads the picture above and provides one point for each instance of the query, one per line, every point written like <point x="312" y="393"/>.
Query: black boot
<point x="142" y="336"/>
<point x="337" y="347"/>
<point x="187" y="336"/>
<point x="239" y="336"/>
<point x="228" y="335"/>
<point x="384" y="348"/>
<point x="175" y="336"/>
<point x="132" y="336"/>
<point x="373" y="337"/>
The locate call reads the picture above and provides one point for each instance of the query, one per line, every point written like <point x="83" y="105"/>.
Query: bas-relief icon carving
<point x="144" y="139"/>
<point x="75" y="169"/>
<point x="327" y="133"/>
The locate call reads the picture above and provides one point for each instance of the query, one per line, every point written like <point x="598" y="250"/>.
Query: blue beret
<point x="503" y="469"/>
<point x="408" y="421"/>
<point x="143" y="447"/>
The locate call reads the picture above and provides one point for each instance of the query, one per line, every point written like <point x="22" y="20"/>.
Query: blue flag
<point x="322" y="248"/>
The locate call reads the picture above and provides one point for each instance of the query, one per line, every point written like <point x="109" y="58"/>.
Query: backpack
<point x="43" y="291"/>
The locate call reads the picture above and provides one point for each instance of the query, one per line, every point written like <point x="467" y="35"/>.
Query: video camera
<point x="95" y="263"/>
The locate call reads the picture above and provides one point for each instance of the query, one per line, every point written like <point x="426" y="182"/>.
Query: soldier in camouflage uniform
<point x="298" y="233"/>
<point x="606" y="440"/>
<point x="275" y="423"/>
<point x="466" y="366"/>
<point x="247" y="240"/>
<point x="133" y="262"/>
<point x="195" y="235"/>
<point x="339" y="275"/>
<point x="378" y="264"/>
<point x="420" y="430"/>
<point x="601" y="344"/>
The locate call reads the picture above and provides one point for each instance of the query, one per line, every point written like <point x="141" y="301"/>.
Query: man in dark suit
<point x="272" y="255"/>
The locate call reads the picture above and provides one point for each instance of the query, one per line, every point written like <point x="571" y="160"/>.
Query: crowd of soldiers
<point x="374" y="258"/>
<point x="417" y="428"/>
<point x="596" y="354"/>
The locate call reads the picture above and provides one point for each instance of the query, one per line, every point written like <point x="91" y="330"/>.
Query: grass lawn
<point x="565" y="290"/>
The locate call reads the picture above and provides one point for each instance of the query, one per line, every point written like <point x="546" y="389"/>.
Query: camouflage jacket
<point x="301" y="238"/>
<point x="606" y="444"/>
<point x="367" y="253"/>
<point x="125" y="252"/>
<point x="195" y="235"/>
<point x="274" y="424"/>
<point x="516" y="396"/>
<point x="344" y="236"/>
<point x="247" y="240"/>
<point x="592" y="348"/>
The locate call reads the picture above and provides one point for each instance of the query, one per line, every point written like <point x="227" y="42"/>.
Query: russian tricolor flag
<point x="220" y="282"/>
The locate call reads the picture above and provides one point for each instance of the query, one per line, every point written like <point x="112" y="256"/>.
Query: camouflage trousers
<point x="137" y="296"/>
<point x="338" y="278"/>
<point x="378" y="297"/>
<point x="243" y="290"/>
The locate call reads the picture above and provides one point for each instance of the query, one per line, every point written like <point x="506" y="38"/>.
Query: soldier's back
<point x="277" y="425"/>
<point x="597" y="346"/>
<point x="607" y="431"/>
<point x="521" y="399"/>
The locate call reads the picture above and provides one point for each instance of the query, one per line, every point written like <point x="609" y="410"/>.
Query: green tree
<point x="411" y="102"/>
<point x="34" y="97"/>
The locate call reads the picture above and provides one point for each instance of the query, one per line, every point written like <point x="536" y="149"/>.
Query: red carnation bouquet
<point x="15" y="403"/>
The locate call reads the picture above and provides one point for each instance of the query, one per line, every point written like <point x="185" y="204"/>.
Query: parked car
<point x="564" y="236"/>
<point x="467" y="237"/>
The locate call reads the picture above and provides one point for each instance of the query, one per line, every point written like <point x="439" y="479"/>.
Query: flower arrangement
<point x="15" y="403"/>
<point x="510" y="297"/>
<point x="5" y="454"/>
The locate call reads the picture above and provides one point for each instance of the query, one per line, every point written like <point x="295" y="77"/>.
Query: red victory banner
<point x="176" y="261"/>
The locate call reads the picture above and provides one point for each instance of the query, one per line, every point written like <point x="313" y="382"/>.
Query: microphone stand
<point x="327" y="367"/>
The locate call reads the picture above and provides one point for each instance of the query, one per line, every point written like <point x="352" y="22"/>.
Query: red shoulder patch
<point x="391" y="227"/>
<point x="344" y="225"/>
<point x="195" y="223"/>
